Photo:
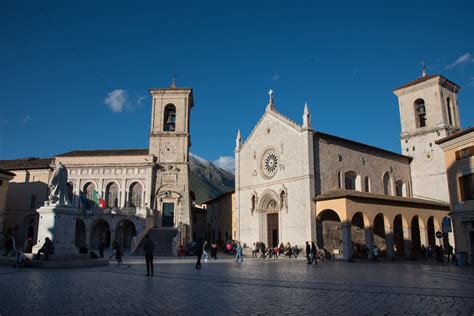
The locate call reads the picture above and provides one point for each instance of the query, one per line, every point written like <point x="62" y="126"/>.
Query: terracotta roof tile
<point x="455" y="135"/>
<point x="26" y="163"/>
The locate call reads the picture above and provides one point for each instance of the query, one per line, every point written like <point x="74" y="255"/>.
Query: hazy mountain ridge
<point x="207" y="180"/>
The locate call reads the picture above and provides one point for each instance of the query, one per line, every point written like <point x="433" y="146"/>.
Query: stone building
<point x="296" y="184"/>
<point x="143" y="191"/>
<point x="5" y="177"/>
<point x="459" y="152"/>
<point x="221" y="217"/>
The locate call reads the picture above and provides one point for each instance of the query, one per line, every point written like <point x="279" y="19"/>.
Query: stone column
<point x="346" y="241"/>
<point x="369" y="238"/>
<point x="407" y="241"/>
<point x="389" y="241"/>
<point x="424" y="237"/>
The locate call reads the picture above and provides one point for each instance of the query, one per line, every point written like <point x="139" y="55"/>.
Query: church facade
<point x="296" y="184"/>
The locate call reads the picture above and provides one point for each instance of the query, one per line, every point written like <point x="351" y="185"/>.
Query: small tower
<point x="428" y="111"/>
<point x="170" y="142"/>
<point x="306" y="117"/>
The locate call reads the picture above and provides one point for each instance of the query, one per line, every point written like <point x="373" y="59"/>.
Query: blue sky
<point x="59" y="60"/>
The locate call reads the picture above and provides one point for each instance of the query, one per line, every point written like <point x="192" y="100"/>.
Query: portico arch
<point x="383" y="235"/>
<point x="361" y="234"/>
<point x="329" y="232"/>
<point x="401" y="236"/>
<point x="124" y="232"/>
<point x="100" y="232"/>
<point x="418" y="235"/>
<point x="80" y="234"/>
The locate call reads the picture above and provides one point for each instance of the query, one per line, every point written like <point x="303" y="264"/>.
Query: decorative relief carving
<point x="107" y="171"/>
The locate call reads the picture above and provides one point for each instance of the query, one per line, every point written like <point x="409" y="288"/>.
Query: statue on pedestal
<point x="59" y="187"/>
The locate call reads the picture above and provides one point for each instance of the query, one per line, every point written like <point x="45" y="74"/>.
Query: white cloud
<point x="471" y="82"/>
<point x="140" y="100"/>
<point x="461" y="60"/>
<point x="225" y="162"/>
<point x="117" y="100"/>
<point x="275" y="76"/>
<point x="26" y="118"/>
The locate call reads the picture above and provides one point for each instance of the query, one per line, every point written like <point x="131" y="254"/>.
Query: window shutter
<point x="461" y="187"/>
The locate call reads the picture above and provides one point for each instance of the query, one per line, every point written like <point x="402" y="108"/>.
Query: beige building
<point x="142" y="191"/>
<point x="221" y="217"/>
<point x="459" y="152"/>
<point x="295" y="184"/>
<point x="5" y="177"/>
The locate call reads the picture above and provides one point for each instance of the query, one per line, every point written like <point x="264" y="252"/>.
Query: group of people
<point x="260" y="250"/>
<point x="203" y="248"/>
<point x="438" y="253"/>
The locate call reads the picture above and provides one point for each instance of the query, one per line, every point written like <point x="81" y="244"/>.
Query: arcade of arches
<point x="397" y="226"/>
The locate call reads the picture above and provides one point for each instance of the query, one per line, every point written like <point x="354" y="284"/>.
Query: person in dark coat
<point x="198" y="254"/>
<point x="148" y="248"/>
<point x="308" y="252"/>
<point x="314" y="253"/>
<point x="47" y="249"/>
<point x="101" y="249"/>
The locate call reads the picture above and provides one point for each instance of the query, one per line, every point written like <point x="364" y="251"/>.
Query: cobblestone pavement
<point x="253" y="287"/>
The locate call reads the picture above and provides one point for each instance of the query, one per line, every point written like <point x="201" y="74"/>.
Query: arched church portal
<point x="269" y="219"/>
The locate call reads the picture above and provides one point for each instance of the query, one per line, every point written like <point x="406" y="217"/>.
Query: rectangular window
<point x="33" y="202"/>
<point x="465" y="153"/>
<point x="466" y="187"/>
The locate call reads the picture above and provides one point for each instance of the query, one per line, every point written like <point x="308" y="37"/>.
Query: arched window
<point x="420" y="110"/>
<point x="135" y="195"/>
<point x="350" y="180"/>
<point x="111" y="195"/>
<point x="367" y="184"/>
<point x="253" y="201"/>
<point x="88" y="190"/>
<point x="448" y="105"/>
<point x="399" y="188"/>
<point x="169" y="118"/>
<point x="387" y="190"/>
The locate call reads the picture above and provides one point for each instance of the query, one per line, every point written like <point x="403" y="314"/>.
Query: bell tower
<point x="428" y="112"/>
<point x="170" y="142"/>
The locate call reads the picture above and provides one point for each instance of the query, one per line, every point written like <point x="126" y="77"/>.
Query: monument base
<point x="58" y="222"/>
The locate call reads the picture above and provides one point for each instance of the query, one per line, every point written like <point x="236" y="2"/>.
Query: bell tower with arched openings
<point x="169" y="143"/>
<point x="428" y="112"/>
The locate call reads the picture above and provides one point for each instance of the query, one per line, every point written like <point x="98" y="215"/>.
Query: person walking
<point x="254" y="250"/>
<point x="238" y="254"/>
<point x="376" y="254"/>
<point x="204" y="251"/>
<point x="198" y="254"/>
<point x="308" y="252"/>
<point x="314" y="253"/>
<point x="214" y="251"/>
<point x="114" y="249"/>
<point x="101" y="249"/>
<point x="148" y="248"/>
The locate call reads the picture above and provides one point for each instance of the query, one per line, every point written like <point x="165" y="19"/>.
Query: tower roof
<point x="428" y="77"/>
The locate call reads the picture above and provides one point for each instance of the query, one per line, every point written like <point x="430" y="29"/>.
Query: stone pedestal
<point x="59" y="224"/>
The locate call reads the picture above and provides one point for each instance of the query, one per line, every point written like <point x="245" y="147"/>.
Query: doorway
<point x="272" y="230"/>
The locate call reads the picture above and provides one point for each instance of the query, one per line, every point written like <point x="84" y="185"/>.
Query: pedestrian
<point x="262" y="248"/>
<point x="8" y="246"/>
<point x="254" y="250"/>
<point x="101" y="249"/>
<point x="28" y="246"/>
<point x="118" y="255"/>
<point x="198" y="254"/>
<point x="308" y="252"/>
<point x="376" y="254"/>
<point x="114" y="249"/>
<point x="449" y="250"/>
<point x="46" y="249"/>
<point x="214" y="251"/>
<point x="148" y="248"/>
<point x="204" y="251"/>
<point x="238" y="254"/>
<point x="423" y="252"/>
<point x="314" y="253"/>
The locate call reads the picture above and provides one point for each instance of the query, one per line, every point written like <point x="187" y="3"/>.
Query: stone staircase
<point x="163" y="240"/>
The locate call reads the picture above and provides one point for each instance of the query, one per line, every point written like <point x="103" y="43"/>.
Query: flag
<point x="98" y="200"/>
<point x="84" y="200"/>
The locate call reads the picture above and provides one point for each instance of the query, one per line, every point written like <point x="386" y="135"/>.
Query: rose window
<point x="270" y="163"/>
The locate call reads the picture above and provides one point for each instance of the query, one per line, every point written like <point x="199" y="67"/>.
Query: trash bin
<point x="461" y="257"/>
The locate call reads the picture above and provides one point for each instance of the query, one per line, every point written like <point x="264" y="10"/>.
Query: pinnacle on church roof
<point x="271" y="104"/>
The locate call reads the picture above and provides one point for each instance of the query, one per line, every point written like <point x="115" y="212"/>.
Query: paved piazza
<point x="256" y="286"/>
